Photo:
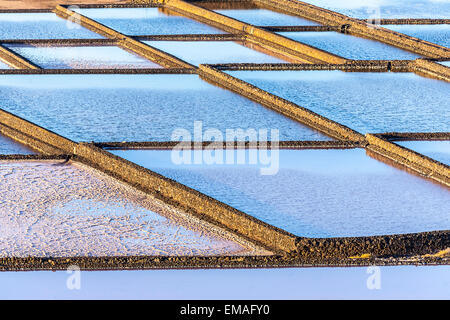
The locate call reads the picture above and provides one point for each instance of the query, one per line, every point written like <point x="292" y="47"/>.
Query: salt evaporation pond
<point x="430" y="282"/>
<point x="138" y="107"/>
<point x="365" y="102"/>
<point x="315" y="193"/>
<point x="350" y="47"/>
<point x="53" y="209"/>
<point x="41" y="25"/>
<point x="392" y="9"/>
<point x="264" y="17"/>
<point x="146" y="21"/>
<point x="211" y="52"/>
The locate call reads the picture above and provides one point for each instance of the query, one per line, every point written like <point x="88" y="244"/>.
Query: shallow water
<point x="436" y="33"/>
<point x="51" y="209"/>
<point x="350" y="47"/>
<point x="210" y="52"/>
<point x="397" y="282"/>
<point x="137" y="107"/>
<point x="315" y="193"/>
<point x="83" y="57"/>
<point x="41" y="26"/>
<point x="263" y="17"/>
<point x="366" y="102"/>
<point x="9" y="146"/>
<point x="438" y="150"/>
<point x="392" y="9"/>
<point x="146" y="21"/>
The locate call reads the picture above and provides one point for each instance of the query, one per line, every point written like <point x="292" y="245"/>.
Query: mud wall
<point x="168" y="145"/>
<point x="285" y="107"/>
<point x="351" y="66"/>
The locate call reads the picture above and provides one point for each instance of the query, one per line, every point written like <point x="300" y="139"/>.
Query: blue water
<point x="9" y="146"/>
<point x="350" y="47"/>
<point x="436" y="33"/>
<point x="210" y="52"/>
<point x="146" y="21"/>
<point x="365" y="102"/>
<point x="40" y="26"/>
<point x="397" y="282"/>
<point x="438" y="150"/>
<point x="315" y="193"/>
<point x="138" y="107"/>
<point x="263" y="17"/>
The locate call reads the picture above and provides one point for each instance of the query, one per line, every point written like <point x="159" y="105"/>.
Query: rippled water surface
<point x="41" y="26"/>
<point x="350" y="47"/>
<point x="436" y="33"/>
<point x="263" y="17"/>
<point x="438" y="150"/>
<point x="197" y="52"/>
<point x="138" y="107"/>
<point x="392" y="9"/>
<point x="146" y="21"/>
<point x="82" y="57"/>
<point x="315" y="193"/>
<point x="50" y="209"/>
<point x="366" y="102"/>
<point x="9" y="146"/>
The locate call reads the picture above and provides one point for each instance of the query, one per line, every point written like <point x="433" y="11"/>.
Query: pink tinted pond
<point x="314" y="193"/>
<point x="54" y="209"/>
